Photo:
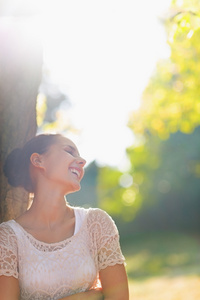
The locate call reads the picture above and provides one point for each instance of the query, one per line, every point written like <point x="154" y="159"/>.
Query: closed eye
<point x="71" y="150"/>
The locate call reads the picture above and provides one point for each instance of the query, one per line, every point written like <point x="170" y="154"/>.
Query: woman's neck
<point x="49" y="209"/>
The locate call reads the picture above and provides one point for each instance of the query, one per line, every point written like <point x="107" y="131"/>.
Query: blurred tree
<point x="52" y="105"/>
<point x="117" y="193"/>
<point x="165" y="160"/>
<point x="87" y="196"/>
<point x="171" y="100"/>
<point x="20" y="73"/>
<point x="167" y="171"/>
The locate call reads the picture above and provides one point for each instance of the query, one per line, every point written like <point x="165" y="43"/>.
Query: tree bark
<point x="20" y="76"/>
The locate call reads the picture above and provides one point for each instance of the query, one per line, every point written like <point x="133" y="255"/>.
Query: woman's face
<point x="63" y="166"/>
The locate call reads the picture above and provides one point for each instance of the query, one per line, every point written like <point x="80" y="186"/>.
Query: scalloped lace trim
<point x="46" y="273"/>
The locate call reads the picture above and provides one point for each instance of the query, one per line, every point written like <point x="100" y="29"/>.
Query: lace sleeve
<point x="106" y="237"/>
<point x="8" y="251"/>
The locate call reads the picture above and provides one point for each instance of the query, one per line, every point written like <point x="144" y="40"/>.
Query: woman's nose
<point x="81" y="161"/>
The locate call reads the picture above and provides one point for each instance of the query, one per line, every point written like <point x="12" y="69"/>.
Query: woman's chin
<point x="74" y="188"/>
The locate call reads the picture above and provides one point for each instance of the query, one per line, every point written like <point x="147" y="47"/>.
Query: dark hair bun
<point x="13" y="166"/>
<point x="17" y="165"/>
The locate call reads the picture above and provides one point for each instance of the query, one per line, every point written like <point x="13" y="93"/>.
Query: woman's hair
<point x="16" y="167"/>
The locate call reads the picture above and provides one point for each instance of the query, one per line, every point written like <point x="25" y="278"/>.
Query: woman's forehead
<point x="67" y="142"/>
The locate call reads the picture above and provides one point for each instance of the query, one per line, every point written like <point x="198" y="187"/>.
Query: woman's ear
<point x="36" y="160"/>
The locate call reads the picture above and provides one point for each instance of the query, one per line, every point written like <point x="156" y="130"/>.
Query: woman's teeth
<point x="75" y="171"/>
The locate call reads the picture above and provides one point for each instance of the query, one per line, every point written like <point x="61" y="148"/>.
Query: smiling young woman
<point x="53" y="250"/>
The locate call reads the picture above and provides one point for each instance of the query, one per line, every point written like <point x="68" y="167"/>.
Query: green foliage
<point x="170" y="188"/>
<point x="87" y="196"/>
<point x="41" y="108"/>
<point x="170" y="109"/>
<point x="171" y="100"/>
<point x="165" y="163"/>
<point x="116" y="193"/>
<point x="52" y="106"/>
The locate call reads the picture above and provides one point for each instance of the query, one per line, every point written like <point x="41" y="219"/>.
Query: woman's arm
<point x="95" y="294"/>
<point x="9" y="287"/>
<point x="114" y="283"/>
<point x="114" y="286"/>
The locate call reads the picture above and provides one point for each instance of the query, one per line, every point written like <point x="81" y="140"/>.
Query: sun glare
<point x="102" y="54"/>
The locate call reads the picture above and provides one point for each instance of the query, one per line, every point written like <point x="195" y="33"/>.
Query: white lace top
<point x="52" y="271"/>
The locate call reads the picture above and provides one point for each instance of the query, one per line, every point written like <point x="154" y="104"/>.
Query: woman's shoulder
<point x="7" y="234"/>
<point x="96" y="219"/>
<point x="100" y="218"/>
<point x="90" y="212"/>
<point x="99" y="214"/>
<point x="6" y="226"/>
<point x="8" y="250"/>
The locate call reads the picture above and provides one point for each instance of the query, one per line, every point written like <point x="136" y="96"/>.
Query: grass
<point x="163" y="266"/>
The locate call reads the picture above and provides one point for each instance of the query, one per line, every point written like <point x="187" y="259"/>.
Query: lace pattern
<point x="52" y="271"/>
<point x="105" y="240"/>
<point x="44" y="247"/>
<point x="8" y="252"/>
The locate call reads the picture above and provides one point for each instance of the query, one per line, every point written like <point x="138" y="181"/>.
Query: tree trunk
<point x="20" y="76"/>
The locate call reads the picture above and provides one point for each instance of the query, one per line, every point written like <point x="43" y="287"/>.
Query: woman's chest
<point x="54" y="272"/>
